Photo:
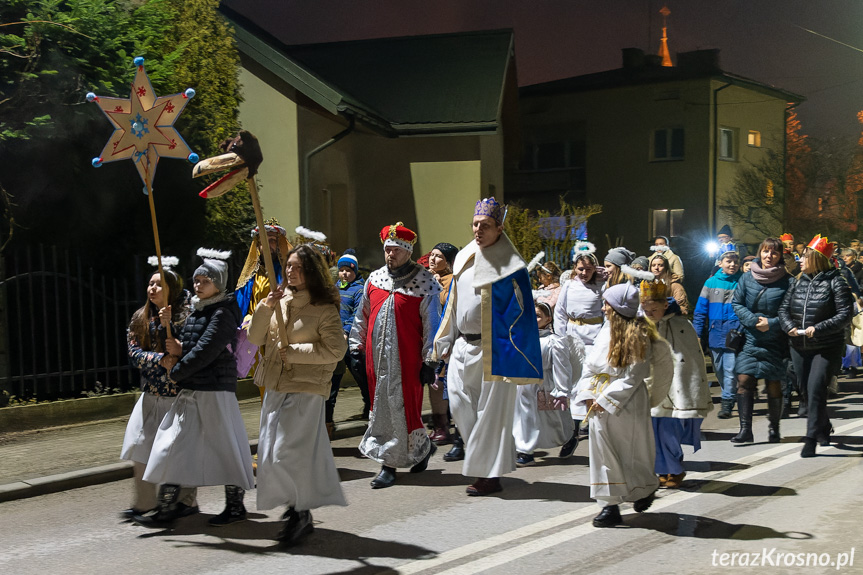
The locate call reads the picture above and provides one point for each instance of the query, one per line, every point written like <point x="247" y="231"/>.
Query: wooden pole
<point x="158" y="246"/>
<point x="268" y="260"/>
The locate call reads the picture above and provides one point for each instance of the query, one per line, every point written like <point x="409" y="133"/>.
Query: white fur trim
<point x="583" y="248"/>
<point x="213" y="254"/>
<point x="659" y="249"/>
<point x="168" y="262"/>
<point x="637" y="274"/>
<point x="311" y="234"/>
<point x="535" y="261"/>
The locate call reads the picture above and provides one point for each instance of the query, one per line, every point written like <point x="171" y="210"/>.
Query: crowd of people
<point x="517" y="359"/>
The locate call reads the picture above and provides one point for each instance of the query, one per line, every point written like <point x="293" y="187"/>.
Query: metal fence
<point x="62" y="326"/>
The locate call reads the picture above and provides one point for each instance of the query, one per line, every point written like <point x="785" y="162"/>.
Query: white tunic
<point x="534" y="429"/>
<point x="482" y="410"/>
<point x="622" y="448"/>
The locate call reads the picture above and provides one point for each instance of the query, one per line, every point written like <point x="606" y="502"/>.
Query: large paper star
<point x="144" y="126"/>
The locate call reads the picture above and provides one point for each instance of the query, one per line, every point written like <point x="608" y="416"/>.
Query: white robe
<point x="622" y="447"/>
<point x="533" y="429"/>
<point x="689" y="394"/>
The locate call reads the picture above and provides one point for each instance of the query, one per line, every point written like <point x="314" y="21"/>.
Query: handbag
<point x="735" y="339"/>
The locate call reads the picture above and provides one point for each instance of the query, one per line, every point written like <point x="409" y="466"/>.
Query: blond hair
<point x="618" y="277"/>
<point x="630" y="338"/>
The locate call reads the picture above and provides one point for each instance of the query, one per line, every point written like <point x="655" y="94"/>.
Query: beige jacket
<point x="316" y="343"/>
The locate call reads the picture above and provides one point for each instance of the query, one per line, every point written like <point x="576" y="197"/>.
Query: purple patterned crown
<point x="489" y="207"/>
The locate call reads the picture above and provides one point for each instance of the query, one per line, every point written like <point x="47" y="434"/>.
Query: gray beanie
<point x="215" y="267"/>
<point x="624" y="298"/>
<point x="620" y="256"/>
<point x="641" y="261"/>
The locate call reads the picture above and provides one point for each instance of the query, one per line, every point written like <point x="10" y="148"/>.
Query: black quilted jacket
<point x="823" y="301"/>
<point x="208" y="364"/>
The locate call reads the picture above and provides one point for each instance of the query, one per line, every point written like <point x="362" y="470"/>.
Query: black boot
<point x="786" y="407"/>
<point x="166" y="511"/>
<point x="386" y="478"/>
<point x="608" y="517"/>
<point x="568" y="448"/>
<point x="725" y="410"/>
<point x="234" y="509"/>
<point x="457" y="451"/>
<point x="808" y="448"/>
<point x="422" y="465"/>
<point x="297" y="525"/>
<point x="745" y="402"/>
<point x="774" y="414"/>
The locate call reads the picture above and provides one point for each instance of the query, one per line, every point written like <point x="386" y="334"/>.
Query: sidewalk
<point x="59" y="458"/>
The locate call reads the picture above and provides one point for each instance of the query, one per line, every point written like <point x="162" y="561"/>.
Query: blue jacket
<point x="714" y="313"/>
<point x="351" y="295"/>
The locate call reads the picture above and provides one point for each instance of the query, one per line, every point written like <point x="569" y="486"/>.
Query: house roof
<point x="443" y="83"/>
<point x="701" y="64"/>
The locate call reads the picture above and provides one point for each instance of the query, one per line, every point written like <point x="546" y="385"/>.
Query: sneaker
<point x="673" y="481"/>
<point x="524" y="460"/>
<point x="568" y="448"/>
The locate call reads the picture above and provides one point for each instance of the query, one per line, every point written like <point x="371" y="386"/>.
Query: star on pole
<point x="144" y="126"/>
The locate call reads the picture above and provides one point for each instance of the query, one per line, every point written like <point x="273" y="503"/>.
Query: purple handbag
<point x="245" y="352"/>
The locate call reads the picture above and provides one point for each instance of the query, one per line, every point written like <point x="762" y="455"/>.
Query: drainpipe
<point x="712" y="217"/>
<point x="307" y="160"/>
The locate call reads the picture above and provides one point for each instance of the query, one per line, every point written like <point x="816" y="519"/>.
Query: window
<point x="667" y="144"/>
<point x="562" y="155"/>
<point x="726" y="144"/>
<point x="666" y="222"/>
<point x="754" y="138"/>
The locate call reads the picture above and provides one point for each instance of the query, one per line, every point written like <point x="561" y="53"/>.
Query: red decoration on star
<point x="144" y="127"/>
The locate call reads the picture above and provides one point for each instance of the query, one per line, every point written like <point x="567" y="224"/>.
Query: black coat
<point x="207" y="363"/>
<point x="823" y="301"/>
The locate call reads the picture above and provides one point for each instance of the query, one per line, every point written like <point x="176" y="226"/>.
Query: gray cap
<point x="620" y="256"/>
<point x="214" y="266"/>
<point x="624" y="298"/>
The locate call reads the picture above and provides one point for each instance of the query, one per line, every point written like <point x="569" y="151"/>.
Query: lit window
<point x="754" y="138"/>
<point x="666" y="222"/>
<point x="667" y="144"/>
<point x="726" y="144"/>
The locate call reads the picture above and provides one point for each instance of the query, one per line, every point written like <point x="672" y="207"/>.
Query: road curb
<point x="123" y="470"/>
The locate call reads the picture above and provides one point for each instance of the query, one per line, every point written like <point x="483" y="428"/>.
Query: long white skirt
<point x="295" y="461"/>
<point x="202" y="441"/>
<point x="483" y="412"/>
<point x="143" y="424"/>
<point x="622" y="452"/>
<point x="534" y="429"/>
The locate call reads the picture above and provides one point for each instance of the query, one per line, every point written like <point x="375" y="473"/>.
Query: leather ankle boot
<point x="457" y="451"/>
<point x="166" y="511"/>
<point x="234" y="509"/>
<point x="745" y="402"/>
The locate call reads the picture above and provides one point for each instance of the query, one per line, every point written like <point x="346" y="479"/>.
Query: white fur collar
<point x="491" y="263"/>
<point x="198" y="304"/>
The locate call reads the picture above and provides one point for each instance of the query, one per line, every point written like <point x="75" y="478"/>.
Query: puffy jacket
<point x="823" y="301"/>
<point x="208" y="363"/>
<point x="763" y="353"/>
<point x="714" y="315"/>
<point x="315" y="344"/>
<point x="351" y="295"/>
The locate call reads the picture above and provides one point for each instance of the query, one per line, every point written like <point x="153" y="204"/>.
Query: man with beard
<point x="394" y="327"/>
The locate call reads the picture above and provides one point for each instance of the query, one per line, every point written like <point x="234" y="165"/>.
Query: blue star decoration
<point x="144" y="126"/>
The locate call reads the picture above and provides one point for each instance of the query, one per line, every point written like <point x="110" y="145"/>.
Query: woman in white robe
<point x="614" y="391"/>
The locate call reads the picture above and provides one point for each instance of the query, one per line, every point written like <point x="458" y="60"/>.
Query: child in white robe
<point x="614" y="391"/>
<point x="537" y="428"/>
<point x="677" y="419"/>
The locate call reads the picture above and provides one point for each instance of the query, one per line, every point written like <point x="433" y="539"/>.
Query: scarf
<point x="769" y="275"/>
<point x="198" y="304"/>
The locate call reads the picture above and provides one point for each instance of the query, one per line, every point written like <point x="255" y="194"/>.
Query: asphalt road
<point x="743" y="500"/>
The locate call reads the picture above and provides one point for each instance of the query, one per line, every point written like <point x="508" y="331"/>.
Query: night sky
<point x="759" y="39"/>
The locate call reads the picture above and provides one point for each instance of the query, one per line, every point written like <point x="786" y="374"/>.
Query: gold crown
<point x="653" y="290"/>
